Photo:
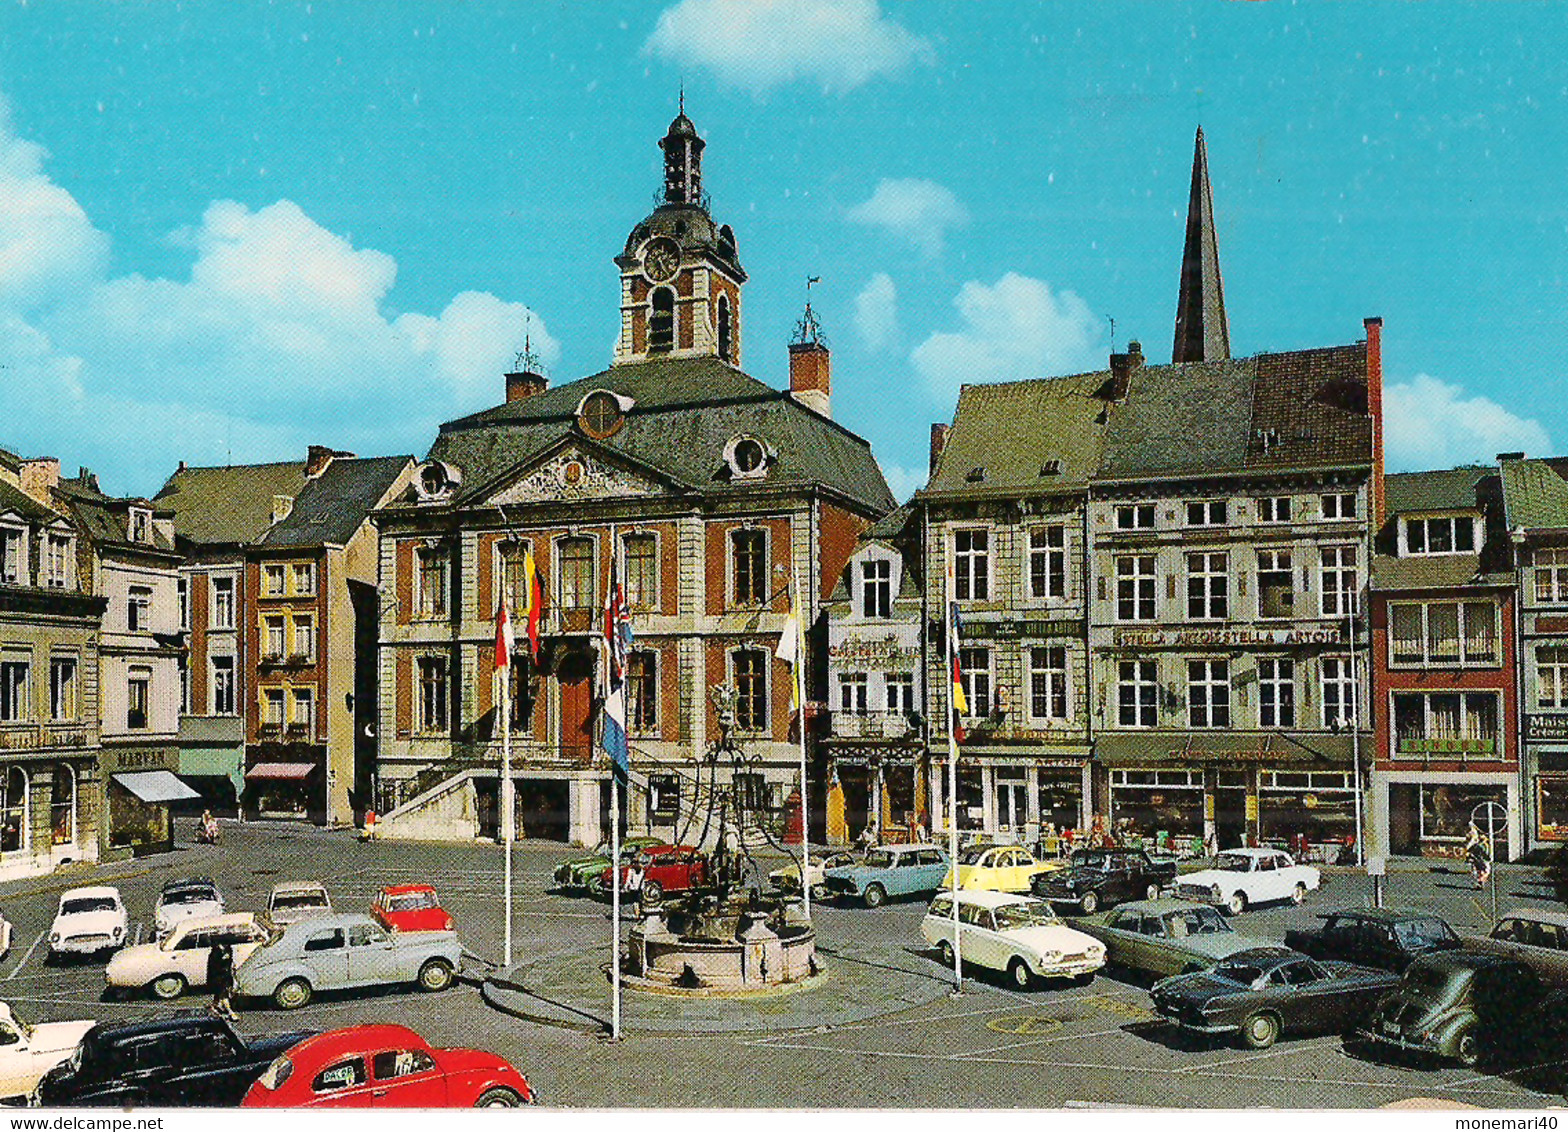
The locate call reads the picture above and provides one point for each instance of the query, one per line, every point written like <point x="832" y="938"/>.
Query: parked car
<point x="27" y="1052"/>
<point x="198" y="1059"/>
<point x="1103" y="878"/>
<point x="89" y="921"/>
<point x="410" y="908"/>
<point x="386" y="1067"/>
<point x="666" y="868"/>
<point x="787" y="879"/>
<point x="1457" y="1006"/>
<point x="183" y="900"/>
<point x="998" y="868"/>
<point x="586" y="873"/>
<point x="293" y="901"/>
<point x="345" y="950"/>
<point x="1263" y="992"/>
<point x="916" y="869"/>
<point x="1016" y="934"/>
<point x="1240" y="878"/>
<point x="1166" y="937"/>
<point x="1535" y="936"/>
<point x="178" y="961"/>
<point x="1374" y="937"/>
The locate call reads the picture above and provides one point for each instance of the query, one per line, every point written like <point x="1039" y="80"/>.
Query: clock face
<point x="662" y="260"/>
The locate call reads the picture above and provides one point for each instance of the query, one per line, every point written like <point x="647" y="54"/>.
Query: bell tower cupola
<point x="680" y="272"/>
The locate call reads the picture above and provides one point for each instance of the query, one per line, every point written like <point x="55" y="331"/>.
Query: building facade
<point x="711" y="491"/>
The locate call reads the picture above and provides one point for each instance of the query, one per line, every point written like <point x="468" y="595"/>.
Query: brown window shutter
<point x="404" y="567"/>
<point x="485" y="568"/>
<point x="404" y="693"/>
<point x="485" y="680"/>
<point x="1170" y="585"/>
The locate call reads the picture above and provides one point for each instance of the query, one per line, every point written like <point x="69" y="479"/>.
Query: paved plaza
<point x="882" y="1029"/>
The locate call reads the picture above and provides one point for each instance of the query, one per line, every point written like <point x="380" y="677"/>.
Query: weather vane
<point x="808" y="329"/>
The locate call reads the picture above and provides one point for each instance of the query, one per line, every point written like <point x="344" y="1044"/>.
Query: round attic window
<point x="749" y="456"/>
<point x="601" y="414"/>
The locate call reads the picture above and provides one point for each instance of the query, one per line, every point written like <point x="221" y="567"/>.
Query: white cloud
<point x="761" y="44"/>
<point x="903" y="482"/>
<point x="876" y="313"/>
<point x="913" y="209"/>
<point x="1432" y="424"/>
<point x="1013" y="330"/>
<point x="279" y="337"/>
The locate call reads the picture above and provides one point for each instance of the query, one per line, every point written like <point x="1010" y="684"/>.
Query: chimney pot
<point x="811" y="376"/>
<point x="525" y="384"/>
<point x="38" y="478"/>
<point x="319" y="456"/>
<point x="938" y="442"/>
<point x="1504" y="457"/>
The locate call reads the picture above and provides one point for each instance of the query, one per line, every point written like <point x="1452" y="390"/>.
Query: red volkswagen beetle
<point x="666" y="868"/>
<point x="410" y="908"/>
<point x="386" y="1067"/>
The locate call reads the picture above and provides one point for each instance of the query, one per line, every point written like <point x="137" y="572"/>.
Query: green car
<point x="581" y="874"/>
<point x="1166" y="937"/>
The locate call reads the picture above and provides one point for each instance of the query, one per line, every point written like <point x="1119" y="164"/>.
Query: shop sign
<point x="1010" y="630"/>
<point x="1546" y="726"/>
<point x="1200" y="755"/>
<point x="1227" y="638"/>
<point x="1252" y="807"/>
<point x="882" y="652"/>
<point x="144" y="760"/>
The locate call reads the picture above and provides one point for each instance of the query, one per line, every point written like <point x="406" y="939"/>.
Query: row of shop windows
<point x="1209" y="584"/>
<point x="16" y="809"/>
<point x="1141" y="701"/>
<point x="16" y="689"/>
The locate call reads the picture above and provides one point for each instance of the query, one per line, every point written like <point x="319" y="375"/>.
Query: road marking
<point x="1024" y="1025"/>
<point x="981" y="1053"/>
<point x="1277" y="1051"/>
<point x="29" y="954"/>
<point x="138" y="933"/>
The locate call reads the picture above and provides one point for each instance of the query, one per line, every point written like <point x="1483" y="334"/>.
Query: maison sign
<point x="1546" y="726"/>
<point x="1227" y="638"/>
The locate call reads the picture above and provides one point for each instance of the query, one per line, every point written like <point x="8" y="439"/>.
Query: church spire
<point x="1202" y="333"/>
<point x="682" y="160"/>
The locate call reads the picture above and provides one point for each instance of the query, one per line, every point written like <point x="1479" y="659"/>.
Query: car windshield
<point x="284" y="901"/>
<point x="1024" y="916"/>
<point x="1088" y="859"/>
<point x="1233" y="863"/>
<point x="189" y="895"/>
<point x="879" y="859"/>
<point x="1196" y="921"/>
<point x="1417" y="934"/>
<point x="972" y="855"/>
<point x="1237" y="971"/>
<point x="87" y="904"/>
<point x="411" y="901"/>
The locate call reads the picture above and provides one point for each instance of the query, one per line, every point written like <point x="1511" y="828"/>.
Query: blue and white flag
<point x="617" y="640"/>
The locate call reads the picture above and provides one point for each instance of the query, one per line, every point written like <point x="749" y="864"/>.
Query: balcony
<point x="872" y="725"/>
<point x="41" y="736"/>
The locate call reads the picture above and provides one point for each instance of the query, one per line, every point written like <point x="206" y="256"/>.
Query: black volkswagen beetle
<point x="1375" y="937"/>
<point x="1263" y="992"/>
<point x="1460" y="1006"/>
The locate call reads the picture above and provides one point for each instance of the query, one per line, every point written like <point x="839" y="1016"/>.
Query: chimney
<point x="1509" y="457"/>
<point x="1122" y="366"/>
<point x="938" y="442"/>
<point x="811" y="376"/>
<point x="319" y="456"/>
<point x="1375" y="411"/>
<point x="524" y="384"/>
<point x="40" y="477"/>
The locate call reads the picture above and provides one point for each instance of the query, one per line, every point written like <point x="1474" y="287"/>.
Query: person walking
<point x="220" y="979"/>
<point x="1479" y="854"/>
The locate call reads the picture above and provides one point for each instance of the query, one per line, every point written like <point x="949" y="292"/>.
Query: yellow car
<point x="998" y="868"/>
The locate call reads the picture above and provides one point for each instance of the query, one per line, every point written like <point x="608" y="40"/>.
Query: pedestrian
<point x="220" y="979"/>
<point x="632" y="885"/>
<point x="1479" y="854"/>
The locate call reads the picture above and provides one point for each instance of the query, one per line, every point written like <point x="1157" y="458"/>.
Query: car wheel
<point x="1299" y="893"/>
<point x="167" y="987"/>
<point x="819" y="892"/>
<point x="948" y="954"/>
<point x="435" y="975"/>
<point x="875" y="896"/>
<point x="498" y="1098"/>
<point x="291" y="994"/>
<point x="1152" y="892"/>
<point x="1467" y="1049"/>
<point x="1260" y="1031"/>
<point x="1084" y="979"/>
<point x="652" y="892"/>
<point x="1018" y="972"/>
<point x="1237" y="904"/>
<point x="1089" y="902"/>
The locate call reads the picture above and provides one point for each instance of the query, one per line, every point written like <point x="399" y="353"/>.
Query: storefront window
<point x="1306" y="808"/>
<point x="1551" y="807"/>
<point x="1147" y="803"/>
<point x="62" y="806"/>
<point x="1061" y="791"/>
<point x="1447" y="809"/>
<point x="13" y="811"/>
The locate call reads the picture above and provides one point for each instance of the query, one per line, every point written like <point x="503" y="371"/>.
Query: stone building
<point x="51" y="785"/>
<point x="711" y="490"/>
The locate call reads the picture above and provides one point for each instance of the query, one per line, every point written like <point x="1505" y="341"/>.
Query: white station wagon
<point x="1240" y="878"/>
<point x="178" y="961"/>
<point x="1016" y="934"/>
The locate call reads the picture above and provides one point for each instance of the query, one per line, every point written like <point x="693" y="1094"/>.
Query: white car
<point x="183" y="900"/>
<point x="1240" y="878"/>
<point x="89" y="921"/>
<point x="179" y="960"/>
<point x="787" y="879"/>
<point x="1016" y="934"/>
<point x="293" y="901"/>
<point x="28" y="1052"/>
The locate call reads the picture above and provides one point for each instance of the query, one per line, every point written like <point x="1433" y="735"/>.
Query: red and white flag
<point x="505" y="641"/>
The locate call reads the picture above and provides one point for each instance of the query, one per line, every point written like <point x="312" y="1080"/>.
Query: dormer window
<point x="1439" y="534"/>
<point x="747" y="458"/>
<point x="141" y="525"/>
<point x="13" y="556"/>
<point x="601" y="414"/>
<point x="876" y="588"/>
<point x="58" y="560"/>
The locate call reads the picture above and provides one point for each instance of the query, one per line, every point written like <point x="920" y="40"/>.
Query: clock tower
<point x="680" y="274"/>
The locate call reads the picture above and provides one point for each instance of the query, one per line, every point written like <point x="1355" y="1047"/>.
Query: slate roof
<point x="1433" y="572"/>
<point x="890" y="526"/>
<point x="10" y="460"/>
<point x="1535" y="493"/>
<point x="333" y="505"/>
<point x="1453" y="489"/>
<point x="106" y="519"/>
<point x="17" y="500"/>
<point x="686" y="410"/>
<point x="228" y="506"/>
<point x="1012" y="429"/>
<point x="1181" y="418"/>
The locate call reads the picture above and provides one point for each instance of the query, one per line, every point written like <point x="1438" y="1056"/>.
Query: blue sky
<point x="231" y="229"/>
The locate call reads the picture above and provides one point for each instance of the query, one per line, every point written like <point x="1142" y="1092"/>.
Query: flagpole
<point x="508" y="807"/>
<point x="800" y="711"/>
<point x="615" y="829"/>
<point x="952" y="781"/>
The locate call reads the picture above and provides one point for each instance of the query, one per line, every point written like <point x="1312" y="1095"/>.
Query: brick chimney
<point x="1122" y="366"/>
<point x="39" y="478"/>
<point x="938" y="442"/>
<point x="319" y="456"/>
<point x="811" y="376"/>
<point x="524" y="384"/>
<point x="1375" y="411"/>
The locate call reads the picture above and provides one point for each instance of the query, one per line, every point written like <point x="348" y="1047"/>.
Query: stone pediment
<point x="573" y="475"/>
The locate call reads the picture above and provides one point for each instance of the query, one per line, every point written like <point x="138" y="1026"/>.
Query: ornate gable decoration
<point x="573" y="476"/>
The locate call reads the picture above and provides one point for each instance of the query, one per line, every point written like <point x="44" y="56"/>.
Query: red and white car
<point x="386" y="1067"/>
<point x="410" y="908"/>
<point x="666" y="868"/>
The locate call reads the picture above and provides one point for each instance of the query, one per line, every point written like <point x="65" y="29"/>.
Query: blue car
<point x="890" y="870"/>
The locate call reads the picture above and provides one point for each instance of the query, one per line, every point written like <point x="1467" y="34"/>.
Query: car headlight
<point x="1094" y="950"/>
<point x="54" y="937"/>
<point x="1214" y="891"/>
<point x="1050" y="956"/>
<point x="118" y="932"/>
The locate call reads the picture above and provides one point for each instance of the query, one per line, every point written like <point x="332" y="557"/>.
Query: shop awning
<point x="279" y="772"/>
<point x="156" y="786"/>
<point x="1202" y="749"/>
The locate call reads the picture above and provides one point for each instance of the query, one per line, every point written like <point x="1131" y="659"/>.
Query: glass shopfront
<point x="1551" y="807"/>
<point x="1307" y="810"/>
<point x="1149" y="803"/>
<point x="1447" y="808"/>
<point x="1061" y="798"/>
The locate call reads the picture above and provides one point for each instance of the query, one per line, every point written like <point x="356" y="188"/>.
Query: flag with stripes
<point x="617" y="642"/>
<point x="960" y="703"/>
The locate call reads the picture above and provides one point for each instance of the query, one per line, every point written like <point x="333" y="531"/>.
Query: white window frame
<point x="1047" y="551"/>
<point x="138" y="675"/>
<point x="1274" y="509"/>
<point x="1339" y="581"/>
<point x="274" y="577"/>
<point x="13" y="566"/>
<point x="903" y="702"/>
<point x="1497" y="737"/>
<point x="1549" y="564"/>
<point x="498" y="576"/>
<point x="182" y="596"/>
<point x="1138" y="588"/>
<point x="1551" y="666"/>
<point x="1208" y="693"/>
<point x="767" y="688"/>
<point x="1207" y="512"/>
<point x="426" y="607"/>
<point x="221" y="584"/>
<point x="303" y="623"/>
<point x="876" y="592"/>
<point x="1275" y="562"/>
<point x="977" y="680"/>
<point x="307" y="571"/>
<point x="971" y="566"/>
<point x="854" y="693"/>
<point x="139" y="525"/>
<point x="1048" y="677"/>
<point x="138" y="609"/>
<point x="270" y="697"/>
<point x="1338" y="506"/>
<point x="731" y="600"/>
<point x="70" y="693"/>
<point x="1453" y="519"/>
<point x="1276" y="692"/>
<point x="641" y="600"/>
<point x="215" y="693"/>
<point x="1135" y="516"/>
<point x="1141" y="676"/>
<point x="274" y="637"/>
<point x="1208" y="585"/>
<point x="635" y="723"/>
<point x="431" y="718"/>
<point x="22" y="707"/>
<point x="60" y="562"/>
<point x="1339" y="673"/>
<point x="1461" y="657"/>
<point x="303" y="694"/>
